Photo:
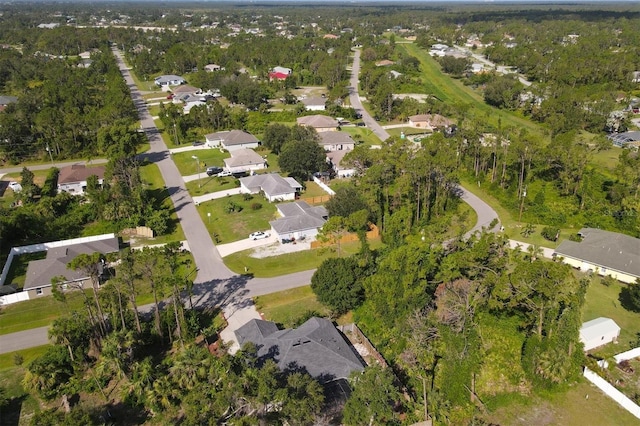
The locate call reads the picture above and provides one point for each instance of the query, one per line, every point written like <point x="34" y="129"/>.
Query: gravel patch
<point x="277" y="249"/>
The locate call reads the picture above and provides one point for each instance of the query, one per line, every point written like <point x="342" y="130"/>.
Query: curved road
<point x="216" y="285"/>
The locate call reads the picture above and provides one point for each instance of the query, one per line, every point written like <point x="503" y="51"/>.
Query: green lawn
<point x="363" y="134"/>
<point x="313" y="190"/>
<point x="607" y="159"/>
<point x="152" y="177"/>
<point x="21" y="405"/>
<point x="236" y="225"/>
<point x="209" y="184"/>
<point x="287" y="307"/>
<point x="18" y="270"/>
<point x="583" y="404"/>
<point x="452" y="91"/>
<point x="206" y="157"/>
<point x="602" y="301"/>
<point x="288" y="263"/>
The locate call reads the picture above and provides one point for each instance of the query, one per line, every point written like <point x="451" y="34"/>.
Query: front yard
<point x="187" y="165"/>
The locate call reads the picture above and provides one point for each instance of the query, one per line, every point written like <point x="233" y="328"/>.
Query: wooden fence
<point x="373" y="233"/>
<point x="317" y="199"/>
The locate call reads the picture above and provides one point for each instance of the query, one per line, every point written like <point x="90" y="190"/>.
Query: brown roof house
<point x="321" y="123"/>
<point x="336" y="141"/>
<point x="73" y="179"/>
<point x="429" y="121"/>
<point x="231" y="140"/>
<point x="40" y="272"/>
<point x="244" y="160"/>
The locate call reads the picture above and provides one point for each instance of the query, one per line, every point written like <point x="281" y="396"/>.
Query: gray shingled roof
<point x="317" y="121"/>
<point x="605" y="249"/>
<point x="316" y="346"/>
<point x="243" y="157"/>
<point x="314" y="100"/>
<point x="168" y="78"/>
<point x="299" y="216"/>
<point x="40" y="272"/>
<point x="6" y="100"/>
<point x="335" y="138"/>
<point x="233" y="137"/>
<point x="271" y="183"/>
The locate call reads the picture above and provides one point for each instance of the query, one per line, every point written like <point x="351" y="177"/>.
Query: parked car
<point x="214" y="170"/>
<point x="258" y="235"/>
<point x="224" y="173"/>
<point x="15" y="186"/>
<point x="198" y="143"/>
<point x="170" y="96"/>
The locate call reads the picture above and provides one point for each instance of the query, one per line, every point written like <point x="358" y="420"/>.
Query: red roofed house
<point x="73" y="179"/>
<point x="279" y="73"/>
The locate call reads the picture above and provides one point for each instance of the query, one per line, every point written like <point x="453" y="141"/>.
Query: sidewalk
<point x="546" y="251"/>
<point x="215" y="195"/>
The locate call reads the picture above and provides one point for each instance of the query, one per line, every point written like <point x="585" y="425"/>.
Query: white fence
<point x="324" y="186"/>
<point x="34" y="248"/>
<point x="612" y="392"/>
<point x="14" y="298"/>
<point x="633" y="353"/>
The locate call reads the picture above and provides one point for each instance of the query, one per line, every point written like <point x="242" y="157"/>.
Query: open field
<point x="289" y="263"/>
<point x="452" y="91"/>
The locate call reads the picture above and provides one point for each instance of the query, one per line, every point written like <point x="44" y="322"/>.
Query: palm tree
<point x="91" y="265"/>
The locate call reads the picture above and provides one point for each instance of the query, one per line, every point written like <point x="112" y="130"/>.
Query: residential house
<point x="316" y="346"/>
<point x="599" y="332"/>
<point x="335" y="160"/>
<point x="280" y="73"/>
<point x="231" y="140"/>
<point x="314" y="103"/>
<point x="384" y="63"/>
<point x="477" y="68"/>
<point x="321" y="123"/>
<point x="6" y="100"/>
<point x="438" y="49"/>
<point x="635" y="77"/>
<point x="165" y="81"/>
<point x="274" y="186"/>
<point x="625" y="139"/>
<point x="40" y="272"/>
<point x="185" y="89"/>
<point x="73" y="179"/>
<point x="604" y="253"/>
<point x="244" y="160"/>
<point x="395" y="74"/>
<point x="213" y="67"/>
<point x="336" y="141"/>
<point x="298" y="220"/>
<point x="429" y="121"/>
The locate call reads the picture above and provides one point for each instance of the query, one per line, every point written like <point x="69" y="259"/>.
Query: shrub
<point x="247" y="197"/>
<point x="256" y="206"/>
<point x="550" y="233"/>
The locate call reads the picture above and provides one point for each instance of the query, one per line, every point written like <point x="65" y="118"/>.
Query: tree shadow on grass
<point x="628" y="300"/>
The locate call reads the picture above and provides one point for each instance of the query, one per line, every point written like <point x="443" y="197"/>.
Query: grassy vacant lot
<point x="452" y="91"/>
<point x="152" y="177"/>
<point x="189" y="166"/>
<point x="582" y="404"/>
<point x="209" y="184"/>
<point x="607" y="160"/>
<point x="363" y="134"/>
<point x="289" y="263"/>
<point x="287" y="307"/>
<point x="21" y="406"/>
<point x="239" y="224"/>
<point x="603" y="301"/>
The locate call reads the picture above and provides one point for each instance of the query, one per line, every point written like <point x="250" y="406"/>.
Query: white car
<point x="258" y="235"/>
<point x="224" y="173"/>
<point x="15" y="186"/>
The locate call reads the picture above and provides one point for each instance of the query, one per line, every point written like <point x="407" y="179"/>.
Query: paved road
<point x="354" y="97"/>
<point x="485" y="213"/>
<point x="24" y="339"/>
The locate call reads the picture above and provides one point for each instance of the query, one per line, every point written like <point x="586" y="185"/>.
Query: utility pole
<point x="524" y="194"/>
<point x="195" y="157"/>
<point x="50" y="155"/>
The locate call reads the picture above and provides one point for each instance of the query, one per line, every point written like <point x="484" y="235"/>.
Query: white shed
<point x="598" y="332"/>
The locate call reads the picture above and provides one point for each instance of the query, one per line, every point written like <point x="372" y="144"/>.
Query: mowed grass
<point x="452" y="91"/>
<point x="287" y="307"/>
<point x="583" y="404"/>
<point x="362" y="135"/>
<point x="603" y="301"/>
<point x="289" y="263"/>
<point x="608" y="159"/>
<point x="206" y="157"/>
<point x="236" y="225"/>
<point x="209" y="184"/>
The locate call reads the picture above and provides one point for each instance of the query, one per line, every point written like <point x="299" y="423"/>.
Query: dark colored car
<point x="213" y="170"/>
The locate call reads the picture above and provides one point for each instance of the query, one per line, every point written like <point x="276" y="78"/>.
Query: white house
<point x="603" y="253"/>
<point x="73" y="179"/>
<point x="244" y="160"/>
<point x="599" y="332"/>
<point x="213" y="67"/>
<point x="335" y="160"/>
<point x="314" y="103"/>
<point x="169" y="80"/>
<point x="336" y="141"/>
<point x="298" y="219"/>
<point x="231" y="140"/>
<point x="274" y="186"/>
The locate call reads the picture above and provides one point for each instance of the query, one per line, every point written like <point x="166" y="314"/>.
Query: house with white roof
<point x="336" y="141"/>
<point x="274" y="186"/>
<point x="314" y="103"/>
<point x="599" y="332"/>
<point x="165" y="81"/>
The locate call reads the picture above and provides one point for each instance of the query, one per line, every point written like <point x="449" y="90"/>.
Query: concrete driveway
<point x="215" y="195"/>
<point x="245" y="244"/>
